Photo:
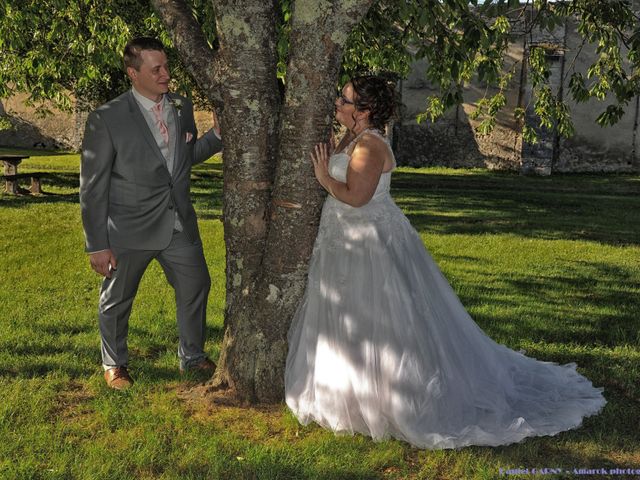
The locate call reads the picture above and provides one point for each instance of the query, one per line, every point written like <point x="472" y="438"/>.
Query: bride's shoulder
<point x="372" y="141"/>
<point x="372" y="135"/>
<point x="374" y="145"/>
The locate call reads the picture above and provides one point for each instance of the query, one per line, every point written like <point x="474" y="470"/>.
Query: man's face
<point x="152" y="79"/>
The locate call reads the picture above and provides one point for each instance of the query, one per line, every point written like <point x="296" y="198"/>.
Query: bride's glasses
<point x="344" y="100"/>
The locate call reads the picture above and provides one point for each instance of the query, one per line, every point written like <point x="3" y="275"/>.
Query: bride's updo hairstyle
<point x="376" y="95"/>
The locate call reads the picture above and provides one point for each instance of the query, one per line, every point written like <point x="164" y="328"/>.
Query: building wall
<point x="452" y="140"/>
<point x="56" y="130"/>
<point x="594" y="148"/>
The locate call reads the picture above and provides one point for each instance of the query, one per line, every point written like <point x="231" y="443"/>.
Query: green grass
<point x="549" y="265"/>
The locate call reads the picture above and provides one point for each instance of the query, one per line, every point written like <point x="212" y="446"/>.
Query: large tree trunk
<point x="271" y="199"/>
<point x="250" y="120"/>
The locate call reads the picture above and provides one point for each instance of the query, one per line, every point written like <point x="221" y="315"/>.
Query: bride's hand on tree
<point x="320" y="160"/>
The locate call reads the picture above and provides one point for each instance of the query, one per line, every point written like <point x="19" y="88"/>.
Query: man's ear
<point x="132" y="73"/>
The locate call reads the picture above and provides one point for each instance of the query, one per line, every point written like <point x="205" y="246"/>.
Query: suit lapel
<point x="144" y="128"/>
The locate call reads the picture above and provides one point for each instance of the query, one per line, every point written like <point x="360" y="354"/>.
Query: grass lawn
<point x="549" y="265"/>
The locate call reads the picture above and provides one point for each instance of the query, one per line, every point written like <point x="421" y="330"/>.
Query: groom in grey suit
<point x="136" y="161"/>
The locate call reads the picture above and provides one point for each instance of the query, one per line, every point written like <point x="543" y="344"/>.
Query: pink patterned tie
<point x="162" y="127"/>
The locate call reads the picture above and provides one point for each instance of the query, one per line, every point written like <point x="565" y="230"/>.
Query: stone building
<point x="452" y="140"/>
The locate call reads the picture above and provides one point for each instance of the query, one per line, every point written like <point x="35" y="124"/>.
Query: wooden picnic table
<point x="11" y="176"/>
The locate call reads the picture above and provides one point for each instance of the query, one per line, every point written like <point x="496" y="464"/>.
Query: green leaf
<point x="529" y="135"/>
<point x="577" y="88"/>
<point x="610" y="116"/>
<point x="486" y="126"/>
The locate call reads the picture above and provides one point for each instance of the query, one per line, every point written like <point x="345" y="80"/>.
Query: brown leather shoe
<point x="118" y="378"/>
<point x="203" y="366"/>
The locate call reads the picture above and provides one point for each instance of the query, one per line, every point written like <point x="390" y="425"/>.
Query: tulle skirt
<point x="381" y="345"/>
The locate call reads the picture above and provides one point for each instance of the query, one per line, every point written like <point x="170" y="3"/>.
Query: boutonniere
<point x="177" y="104"/>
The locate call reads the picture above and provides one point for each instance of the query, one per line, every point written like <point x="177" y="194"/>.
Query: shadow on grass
<point x="44" y="361"/>
<point x="597" y="308"/>
<point x="65" y="330"/>
<point x="574" y="207"/>
<point x="210" y="167"/>
<point x="33" y="152"/>
<point x="600" y="208"/>
<point x="213" y="332"/>
<point x="67" y="181"/>
<point x="79" y="360"/>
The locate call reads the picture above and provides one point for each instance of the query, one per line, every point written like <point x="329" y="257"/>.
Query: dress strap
<point x="375" y="132"/>
<point x="352" y="143"/>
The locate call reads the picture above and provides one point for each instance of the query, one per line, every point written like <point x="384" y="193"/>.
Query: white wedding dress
<point x="381" y="344"/>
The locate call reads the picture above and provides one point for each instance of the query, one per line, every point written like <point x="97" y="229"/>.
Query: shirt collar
<point x="146" y="103"/>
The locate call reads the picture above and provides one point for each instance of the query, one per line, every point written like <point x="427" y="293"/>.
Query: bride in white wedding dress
<point x="381" y="344"/>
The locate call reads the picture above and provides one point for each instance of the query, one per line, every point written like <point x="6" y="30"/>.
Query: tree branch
<point x="200" y="60"/>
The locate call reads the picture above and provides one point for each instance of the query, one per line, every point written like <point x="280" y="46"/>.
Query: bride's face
<point x="346" y="112"/>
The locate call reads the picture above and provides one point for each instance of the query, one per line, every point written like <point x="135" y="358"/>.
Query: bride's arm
<point x="363" y="173"/>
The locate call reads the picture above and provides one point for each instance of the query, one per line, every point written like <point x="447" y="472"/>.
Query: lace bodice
<point x="339" y="162"/>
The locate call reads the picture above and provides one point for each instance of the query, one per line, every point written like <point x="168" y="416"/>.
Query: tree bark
<point x="271" y="199"/>
<point x="250" y="119"/>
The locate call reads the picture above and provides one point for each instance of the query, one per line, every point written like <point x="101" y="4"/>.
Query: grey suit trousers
<point x="184" y="265"/>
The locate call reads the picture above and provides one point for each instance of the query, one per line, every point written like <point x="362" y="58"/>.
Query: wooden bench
<point x="11" y="175"/>
<point x="11" y="183"/>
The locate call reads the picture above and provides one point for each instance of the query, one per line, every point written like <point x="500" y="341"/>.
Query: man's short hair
<point x="135" y="46"/>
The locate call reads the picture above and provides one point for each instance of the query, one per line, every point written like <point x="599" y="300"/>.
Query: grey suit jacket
<point x="127" y="195"/>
